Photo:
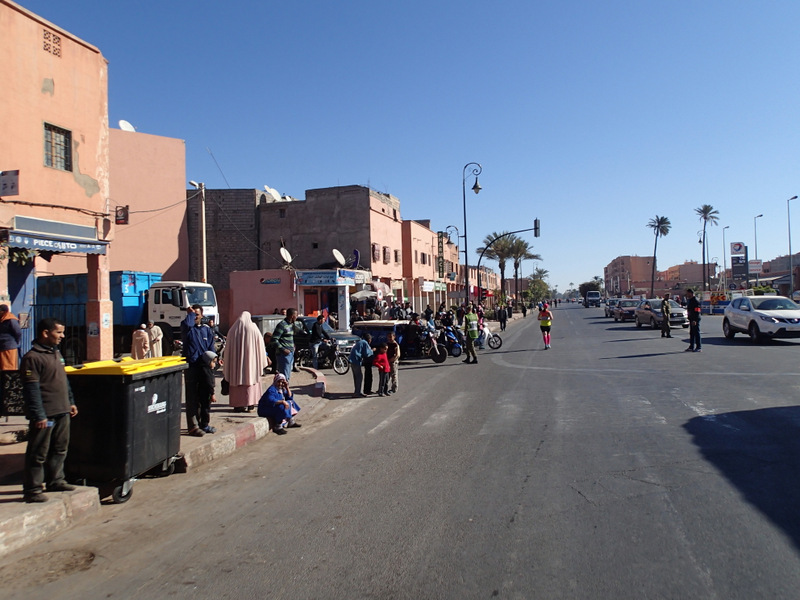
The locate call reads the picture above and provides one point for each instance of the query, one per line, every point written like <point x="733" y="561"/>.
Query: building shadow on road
<point x="758" y="451"/>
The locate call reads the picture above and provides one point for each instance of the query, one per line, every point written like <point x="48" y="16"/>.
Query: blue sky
<point x="592" y="116"/>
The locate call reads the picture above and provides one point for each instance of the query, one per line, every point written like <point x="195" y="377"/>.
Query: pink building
<point x="55" y="135"/>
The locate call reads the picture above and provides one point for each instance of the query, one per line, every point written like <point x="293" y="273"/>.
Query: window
<point x="387" y="255"/>
<point x="57" y="147"/>
<point x="397" y="256"/>
<point x="282" y="213"/>
<point x="314" y="245"/>
<point x="376" y="252"/>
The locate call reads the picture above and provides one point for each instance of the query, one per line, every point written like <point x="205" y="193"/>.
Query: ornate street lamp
<point x="476" y="170"/>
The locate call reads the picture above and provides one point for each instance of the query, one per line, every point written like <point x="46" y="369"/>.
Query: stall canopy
<point x="53" y="236"/>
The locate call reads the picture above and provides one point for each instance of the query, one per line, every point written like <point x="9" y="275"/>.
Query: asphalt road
<point x="615" y="465"/>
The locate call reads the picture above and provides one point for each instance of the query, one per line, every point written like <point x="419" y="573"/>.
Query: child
<point x="205" y="389"/>
<point x="545" y="321"/>
<point x="393" y="354"/>
<point x="381" y="361"/>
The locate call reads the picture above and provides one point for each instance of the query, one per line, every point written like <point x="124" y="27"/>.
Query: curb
<point x="223" y="445"/>
<point x="23" y="527"/>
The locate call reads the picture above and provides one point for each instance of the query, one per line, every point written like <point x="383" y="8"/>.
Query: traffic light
<point x="536" y="228"/>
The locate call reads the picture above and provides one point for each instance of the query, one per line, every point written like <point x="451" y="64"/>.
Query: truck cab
<point x="168" y="301"/>
<point x="593" y="298"/>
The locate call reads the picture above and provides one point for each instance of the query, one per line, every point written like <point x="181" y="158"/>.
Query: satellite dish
<point x="286" y="255"/>
<point x="125" y="126"/>
<point x="339" y="257"/>
<point x="276" y="196"/>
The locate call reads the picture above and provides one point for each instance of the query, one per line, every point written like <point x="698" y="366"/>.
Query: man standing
<point x="197" y="340"/>
<point x="471" y="329"/>
<point x="502" y="317"/>
<point x="155" y="335"/>
<point x="360" y="355"/>
<point x="283" y="336"/>
<point x="318" y="334"/>
<point x="693" y="308"/>
<point x="140" y="343"/>
<point x="666" y="310"/>
<point x="48" y="407"/>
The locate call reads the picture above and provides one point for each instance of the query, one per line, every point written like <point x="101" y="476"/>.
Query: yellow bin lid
<point x="127" y="366"/>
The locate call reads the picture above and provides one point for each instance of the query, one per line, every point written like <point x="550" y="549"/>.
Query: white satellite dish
<point x="286" y="255"/>
<point x="273" y="192"/>
<point x="125" y="126"/>
<point x="339" y="257"/>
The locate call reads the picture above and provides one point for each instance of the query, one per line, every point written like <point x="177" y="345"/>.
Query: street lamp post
<point x="475" y="170"/>
<point x="204" y="252"/>
<point x="755" y="236"/>
<point x="791" y="261"/>
<point x="724" y="261"/>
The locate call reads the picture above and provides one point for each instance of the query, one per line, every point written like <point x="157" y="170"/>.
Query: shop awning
<point x="53" y="236"/>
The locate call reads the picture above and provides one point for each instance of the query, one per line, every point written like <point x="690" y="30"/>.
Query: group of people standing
<point x="146" y="341"/>
<point x="384" y="356"/>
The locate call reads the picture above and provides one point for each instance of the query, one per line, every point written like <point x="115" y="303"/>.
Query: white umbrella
<point x="363" y="295"/>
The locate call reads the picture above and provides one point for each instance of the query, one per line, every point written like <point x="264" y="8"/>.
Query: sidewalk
<point x="22" y="524"/>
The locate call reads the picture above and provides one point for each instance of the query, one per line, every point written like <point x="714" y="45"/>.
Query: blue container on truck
<point x="65" y="296"/>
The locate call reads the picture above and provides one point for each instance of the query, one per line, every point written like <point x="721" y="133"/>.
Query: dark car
<point x="302" y="334"/>
<point x="609" y="307"/>
<point x="625" y="310"/>
<point x="649" y="313"/>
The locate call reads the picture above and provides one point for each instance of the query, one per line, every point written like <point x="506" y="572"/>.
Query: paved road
<point x="613" y="466"/>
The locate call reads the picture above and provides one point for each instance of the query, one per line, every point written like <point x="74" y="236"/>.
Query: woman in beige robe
<point x="245" y="359"/>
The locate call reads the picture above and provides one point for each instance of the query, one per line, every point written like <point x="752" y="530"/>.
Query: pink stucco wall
<point x="247" y="292"/>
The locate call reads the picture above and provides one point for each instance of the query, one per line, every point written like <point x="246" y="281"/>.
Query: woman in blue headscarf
<point x="277" y="405"/>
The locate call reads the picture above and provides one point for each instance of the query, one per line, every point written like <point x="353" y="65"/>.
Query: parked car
<point x="649" y="313"/>
<point x="610" y="304"/>
<point x="762" y="317"/>
<point x="625" y="310"/>
<point x="302" y="334"/>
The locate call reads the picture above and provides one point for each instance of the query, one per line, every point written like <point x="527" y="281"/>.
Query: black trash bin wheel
<point x="118" y="494"/>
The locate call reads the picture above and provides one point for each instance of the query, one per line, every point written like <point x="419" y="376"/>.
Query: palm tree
<point x="660" y="227"/>
<point x="708" y="214"/>
<point x="500" y="251"/>
<point x="520" y="250"/>
<point x="540" y="273"/>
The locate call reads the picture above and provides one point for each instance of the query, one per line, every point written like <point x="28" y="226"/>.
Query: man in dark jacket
<point x="48" y="407"/>
<point x="197" y="340"/>
<point x="318" y="334"/>
<point x="693" y="308"/>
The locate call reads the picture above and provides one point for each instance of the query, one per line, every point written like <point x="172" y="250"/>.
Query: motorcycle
<point x="492" y="340"/>
<point x="328" y="354"/>
<point x="451" y="339"/>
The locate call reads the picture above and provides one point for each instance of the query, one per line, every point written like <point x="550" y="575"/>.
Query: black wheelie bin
<point x="128" y="423"/>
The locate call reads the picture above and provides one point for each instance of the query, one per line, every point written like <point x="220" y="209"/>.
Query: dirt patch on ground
<point x="42" y="569"/>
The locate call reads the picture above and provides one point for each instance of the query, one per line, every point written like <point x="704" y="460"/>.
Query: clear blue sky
<point x="592" y="116"/>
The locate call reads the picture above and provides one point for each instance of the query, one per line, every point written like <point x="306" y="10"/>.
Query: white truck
<point x="167" y="302"/>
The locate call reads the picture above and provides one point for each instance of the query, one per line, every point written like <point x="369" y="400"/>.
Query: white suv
<point x="762" y="317"/>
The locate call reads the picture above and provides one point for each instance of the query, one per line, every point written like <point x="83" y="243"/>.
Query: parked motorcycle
<point x="328" y="355"/>
<point x="450" y="338"/>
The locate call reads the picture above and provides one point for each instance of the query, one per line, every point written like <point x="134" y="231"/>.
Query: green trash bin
<point x="128" y="423"/>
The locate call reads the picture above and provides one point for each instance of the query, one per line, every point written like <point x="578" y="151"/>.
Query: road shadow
<point x="758" y="451"/>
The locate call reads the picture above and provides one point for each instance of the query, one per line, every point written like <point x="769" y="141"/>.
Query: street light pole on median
<point x="791" y="261"/>
<point x="755" y="236"/>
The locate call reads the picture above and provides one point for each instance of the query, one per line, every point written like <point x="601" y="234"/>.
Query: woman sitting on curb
<point x="278" y="407"/>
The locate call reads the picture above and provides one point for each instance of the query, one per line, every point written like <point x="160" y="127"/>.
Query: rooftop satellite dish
<point x="339" y="257"/>
<point x="286" y="255"/>
<point x="125" y="126"/>
<point x="273" y="192"/>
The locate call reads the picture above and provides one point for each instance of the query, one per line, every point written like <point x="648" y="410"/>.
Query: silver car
<point x="649" y="313"/>
<point x="762" y="317"/>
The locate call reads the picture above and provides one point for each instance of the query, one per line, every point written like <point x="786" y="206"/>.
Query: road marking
<point x="500" y="361"/>
<point x="395" y="415"/>
<point x="451" y="409"/>
<point x="506" y="413"/>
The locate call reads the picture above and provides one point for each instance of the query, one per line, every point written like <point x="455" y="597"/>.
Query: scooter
<point x="449" y="339"/>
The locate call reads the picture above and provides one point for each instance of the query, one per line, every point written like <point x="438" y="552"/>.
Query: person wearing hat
<point x="140" y="343"/>
<point x="205" y="392"/>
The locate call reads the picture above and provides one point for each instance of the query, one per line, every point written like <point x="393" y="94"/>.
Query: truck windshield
<point x="202" y="295"/>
